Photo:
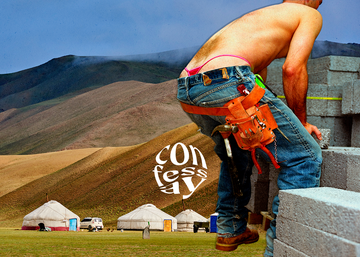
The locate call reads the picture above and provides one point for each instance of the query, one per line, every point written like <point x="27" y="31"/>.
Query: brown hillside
<point x="19" y="170"/>
<point x="111" y="182"/>
<point x="119" y="114"/>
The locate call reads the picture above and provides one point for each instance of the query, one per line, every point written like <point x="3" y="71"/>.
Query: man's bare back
<point x="260" y="36"/>
<point x="286" y="30"/>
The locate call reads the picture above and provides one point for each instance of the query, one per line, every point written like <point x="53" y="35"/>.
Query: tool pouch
<point x="255" y="124"/>
<point x="252" y="127"/>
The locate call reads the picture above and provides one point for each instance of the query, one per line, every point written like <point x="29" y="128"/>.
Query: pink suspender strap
<point x="197" y="69"/>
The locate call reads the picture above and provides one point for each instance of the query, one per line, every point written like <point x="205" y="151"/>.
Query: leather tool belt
<point x="251" y="125"/>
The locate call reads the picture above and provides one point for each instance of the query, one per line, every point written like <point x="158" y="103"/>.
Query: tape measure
<point x="319" y="98"/>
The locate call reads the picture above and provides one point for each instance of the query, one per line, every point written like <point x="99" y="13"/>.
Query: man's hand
<point x="313" y="129"/>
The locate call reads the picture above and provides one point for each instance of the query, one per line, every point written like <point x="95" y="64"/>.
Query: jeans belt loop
<point x="186" y="82"/>
<point x="225" y="74"/>
<point x="206" y="79"/>
<point x="238" y="71"/>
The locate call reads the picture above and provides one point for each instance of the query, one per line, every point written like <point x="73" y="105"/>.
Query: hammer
<point x="225" y="131"/>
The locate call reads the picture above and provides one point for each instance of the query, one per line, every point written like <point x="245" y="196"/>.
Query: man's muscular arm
<point x="295" y="76"/>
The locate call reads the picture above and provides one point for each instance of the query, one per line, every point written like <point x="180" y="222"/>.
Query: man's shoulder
<point x="302" y="13"/>
<point x="299" y="8"/>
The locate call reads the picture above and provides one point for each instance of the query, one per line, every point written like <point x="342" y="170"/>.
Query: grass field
<point x="14" y="242"/>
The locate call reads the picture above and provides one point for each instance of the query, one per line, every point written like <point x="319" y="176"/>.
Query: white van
<point x="90" y="223"/>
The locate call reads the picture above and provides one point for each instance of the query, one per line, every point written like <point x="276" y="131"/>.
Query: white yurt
<point x="146" y="214"/>
<point x="54" y="216"/>
<point x="186" y="219"/>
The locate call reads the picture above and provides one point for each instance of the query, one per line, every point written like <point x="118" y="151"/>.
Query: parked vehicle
<point x="91" y="223"/>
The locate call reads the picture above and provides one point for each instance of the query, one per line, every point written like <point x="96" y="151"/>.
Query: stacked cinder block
<point x="334" y="82"/>
<point x="341" y="168"/>
<point x="327" y="78"/>
<point x="321" y="221"/>
<point x="264" y="186"/>
<point x="328" y="70"/>
<point x="351" y="107"/>
<point x="259" y="188"/>
<point x="318" y="222"/>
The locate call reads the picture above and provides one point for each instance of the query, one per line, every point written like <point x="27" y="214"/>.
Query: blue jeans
<point x="300" y="160"/>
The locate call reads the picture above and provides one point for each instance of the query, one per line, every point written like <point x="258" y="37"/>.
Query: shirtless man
<point x="246" y="47"/>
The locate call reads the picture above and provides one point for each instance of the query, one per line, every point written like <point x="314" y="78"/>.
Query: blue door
<point x="213" y="226"/>
<point x="72" y="224"/>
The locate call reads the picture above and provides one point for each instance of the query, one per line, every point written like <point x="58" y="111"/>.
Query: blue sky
<point x="35" y="31"/>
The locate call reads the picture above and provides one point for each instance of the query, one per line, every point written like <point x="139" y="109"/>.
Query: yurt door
<point x="167" y="225"/>
<point x="72" y="224"/>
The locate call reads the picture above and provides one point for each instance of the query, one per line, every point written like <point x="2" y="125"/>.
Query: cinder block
<point x="317" y="107"/>
<point x="274" y="72"/>
<point x="340" y="127"/>
<point x="259" y="197"/>
<point x="356" y="96"/>
<point x="332" y="77"/>
<point x="340" y="168"/>
<point x="340" y="130"/>
<point x="264" y="177"/>
<point x="259" y="188"/>
<point x="347" y="98"/>
<point x="284" y="250"/>
<point x="333" y="70"/>
<point x="273" y="188"/>
<point x="351" y="97"/>
<point x="334" y="62"/>
<point x="319" y="64"/>
<point x="334" y="105"/>
<point x="355" y="131"/>
<point x="325" y="142"/>
<point x="314" y="242"/>
<point x="324" y="107"/>
<point x="353" y="171"/>
<point x="330" y="210"/>
<point x="344" y="63"/>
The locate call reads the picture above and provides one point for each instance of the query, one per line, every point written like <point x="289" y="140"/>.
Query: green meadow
<point x="15" y="242"/>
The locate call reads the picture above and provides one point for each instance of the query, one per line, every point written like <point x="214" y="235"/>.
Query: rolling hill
<point x="119" y="114"/>
<point x="110" y="182"/>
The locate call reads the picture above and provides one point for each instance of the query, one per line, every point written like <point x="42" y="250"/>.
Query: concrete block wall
<point x="355" y="131"/>
<point x="328" y="77"/>
<point x="328" y="70"/>
<point x="318" y="222"/>
<point x="259" y="188"/>
<point x="351" y="108"/>
<point x="351" y="98"/>
<point x="340" y="169"/>
<point x="321" y="221"/>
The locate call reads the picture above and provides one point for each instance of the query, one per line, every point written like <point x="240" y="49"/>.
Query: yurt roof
<point x="51" y="210"/>
<point x="189" y="216"/>
<point x="146" y="212"/>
